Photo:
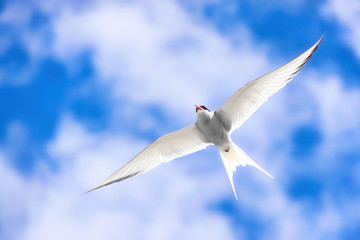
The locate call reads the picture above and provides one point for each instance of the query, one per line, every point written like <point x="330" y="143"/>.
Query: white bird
<point x="214" y="128"/>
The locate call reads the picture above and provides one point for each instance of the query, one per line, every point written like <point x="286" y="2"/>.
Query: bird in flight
<point x="214" y="127"/>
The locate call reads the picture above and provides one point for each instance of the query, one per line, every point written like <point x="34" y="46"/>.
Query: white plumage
<point x="164" y="149"/>
<point x="215" y="127"/>
<point x="250" y="97"/>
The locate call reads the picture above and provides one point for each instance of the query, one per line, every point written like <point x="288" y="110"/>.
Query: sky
<point x="86" y="85"/>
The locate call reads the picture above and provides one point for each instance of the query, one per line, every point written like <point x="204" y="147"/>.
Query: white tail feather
<point x="234" y="158"/>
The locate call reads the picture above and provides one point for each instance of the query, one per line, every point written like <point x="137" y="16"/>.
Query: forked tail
<point x="235" y="157"/>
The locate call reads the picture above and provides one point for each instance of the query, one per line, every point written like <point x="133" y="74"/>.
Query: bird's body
<point x="215" y="127"/>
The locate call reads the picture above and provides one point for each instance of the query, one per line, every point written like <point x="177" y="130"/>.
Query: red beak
<point x="197" y="107"/>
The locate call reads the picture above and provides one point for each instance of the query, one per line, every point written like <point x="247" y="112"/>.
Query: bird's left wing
<point x="235" y="111"/>
<point x="164" y="149"/>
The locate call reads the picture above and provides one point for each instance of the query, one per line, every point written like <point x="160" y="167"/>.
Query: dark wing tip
<point x="315" y="46"/>
<point x="111" y="182"/>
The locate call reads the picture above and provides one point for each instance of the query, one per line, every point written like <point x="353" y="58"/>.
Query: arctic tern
<point x="215" y="127"/>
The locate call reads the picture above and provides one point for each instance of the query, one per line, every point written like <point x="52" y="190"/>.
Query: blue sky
<point x="86" y="85"/>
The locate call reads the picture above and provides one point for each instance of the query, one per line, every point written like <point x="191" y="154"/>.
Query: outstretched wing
<point x="164" y="149"/>
<point x="235" y="111"/>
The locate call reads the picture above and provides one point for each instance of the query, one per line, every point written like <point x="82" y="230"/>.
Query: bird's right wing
<point x="164" y="149"/>
<point x="235" y="111"/>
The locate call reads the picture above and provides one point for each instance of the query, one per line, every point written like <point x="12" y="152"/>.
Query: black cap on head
<point x="205" y="108"/>
<point x="202" y="107"/>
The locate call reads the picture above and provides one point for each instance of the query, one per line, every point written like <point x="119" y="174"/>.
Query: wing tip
<point x="315" y="46"/>
<point x="105" y="182"/>
<point x="309" y="53"/>
<point x="92" y="189"/>
<point x="321" y="38"/>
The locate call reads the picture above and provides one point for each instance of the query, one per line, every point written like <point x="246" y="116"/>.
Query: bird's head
<point x="203" y="112"/>
<point x="201" y="108"/>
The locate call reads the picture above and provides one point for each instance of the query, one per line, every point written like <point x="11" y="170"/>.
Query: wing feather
<point x="164" y="149"/>
<point x="236" y="110"/>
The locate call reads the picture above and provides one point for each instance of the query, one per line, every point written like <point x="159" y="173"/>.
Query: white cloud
<point x="16" y="13"/>
<point x="170" y="48"/>
<point x="13" y="209"/>
<point x="347" y="14"/>
<point x="171" y="198"/>
<point x="160" y="50"/>
<point x="166" y="203"/>
<point x="17" y="18"/>
<point x="158" y="54"/>
<point x="319" y="100"/>
<point x="336" y="106"/>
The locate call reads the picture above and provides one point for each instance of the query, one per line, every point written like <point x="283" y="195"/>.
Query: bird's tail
<point x="235" y="157"/>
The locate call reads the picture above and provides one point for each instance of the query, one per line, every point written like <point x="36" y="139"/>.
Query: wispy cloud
<point x="55" y="207"/>
<point x="145" y="54"/>
<point x="347" y="15"/>
<point x="157" y="49"/>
